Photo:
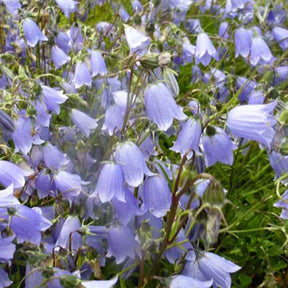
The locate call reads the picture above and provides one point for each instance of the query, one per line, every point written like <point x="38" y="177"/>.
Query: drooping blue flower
<point x="7" y="248"/>
<point x="110" y="183"/>
<point x="182" y="5"/>
<point x="53" y="157"/>
<point x="223" y="30"/>
<point x="4" y="279"/>
<point x="217" y="147"/>
<point x="53" y="98"/>
<point x="59" y="57"/>
<point x="157" y="195"/>
<point x="68" y="184"/>
<point x="82" y="75"/>
<point x="260" y="52"/>
<point x="6" y="123"/>
<point x="161" y="106"/>
<point x="98" y="65"/>
<point x="27" y="224"/>
<point x="205" y="50"/>
<point x="12" y="6"/>
<point x="32" y="32"/>
<point x="69" y="237"/>
<point x="243" y="41"/>
<point x="279" y="163"/>
<point x="132" y="161"/>
<point x="210" y="266"/>
<point x="67" y="6"/>
<point x="188" y="138"/>
<point x="100" y="283"/>
<point x="7" y="199"/>
<point x="182" y="281"/>
<point x="114" y="118"/>
<point x="122" y="243"/>
<point x="246" y="86"/>
<point x="84" y="122"/>
<point x="283" y="203"/>
<point x="281" y="36"/>
<point x="11" y="173"/>
<point x="281" y="75"/>
<point x="253" y="122"/>
<point x="136" y="40"/>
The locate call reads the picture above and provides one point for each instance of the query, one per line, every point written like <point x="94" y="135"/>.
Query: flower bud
<point x="214" y="194"/>
<point x="149" y="61"/>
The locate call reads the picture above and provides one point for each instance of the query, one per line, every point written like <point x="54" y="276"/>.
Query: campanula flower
<point x="132" y="161"/>
<point x="5" y="281"/>
<point x="243" y="41"/>
<point x="161" y="106"/>
<point x="7" y="248"/>
<point x="98" y="65"/>
<point x="205" y="50"/>
<point x="189" y="137"/>
<point x="11" y="173"/>
<point x="67" y="6"/>
<point x="253" y="122"/>
<point x="7" y="199"/>
<point x="136" y="40"/>
<point x="12" y="6"/>
<point x="260" y="52"/>
<point x="32" y="32"/>
<point x="283" y="204"/>
<point x="281" y="36"/>
<point x="279" y="163"/>
<point x="6" y="122"/>
<point x="223" y="30"/>
<point x="82" y="75"/>
<point x="84" y="122"/>
<point x="59" y="57"/>
<point x="182" y="281"/>
<point x="157" y="195"/>
<point x="110" y="183"/>
<point x="52" y="98"/>
<point x="100" y="283"/>
<point x="122" y="243"/>
<point x="210" y="266"/>
<point x="217" y="147"/>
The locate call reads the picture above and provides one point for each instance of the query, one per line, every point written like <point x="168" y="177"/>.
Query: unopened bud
<point x="214" y="194"/>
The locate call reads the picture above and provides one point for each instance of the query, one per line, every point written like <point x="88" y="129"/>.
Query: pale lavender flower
<point x="7" y="198"/>
<point x="53" y="98"/>
<point x="98" y="65"/>
<point x="114" y="117"/>
<point x="100" y="283"/>
<point x="223" y="30"/>
<point x="283" y="203"/>
<point x="110" y="183"/>
<point x="53" y="157"/>
<point x="68" y="184"/>
<point x="67" y="6"/>
<point x="122" y="243"/>
<point x="243" y="41"/>
<point x="7" y="248"/>
<point x="281" y="36"/>
<point x="84" y="122"/>
<point x="205" y="50"/>
<point x="157" y="196"/>
<point x="182" y="281"/>
<point x="188" y="138"/>
<point x="132" y="161"/>
<point x="11" y="173"/>
<point x="217" y="147"/>
<point x="253" y="122"/>
<point x="136" y="40"/>
<point x="260" y="52"/>
<point x="6" y="123"/>
<point x="69" y="236"/>
<point x="59" y="57"/>
<point x="32" y="32"/>
<point x="279" y="163"/>
<point x="82" y="75"/>
<point x="210" y="266"/>
<point x="4" y="280"/>
<point x="161" y="106"/>
<point x="12" y="6"/>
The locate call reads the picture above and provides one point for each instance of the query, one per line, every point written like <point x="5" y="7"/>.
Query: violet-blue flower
<point x="217" y="147"/>
<point x="157" y="195"/>
<point x="98" y="65"/>
<point x="84" y="122"/>
<point x="67" y="6"/>
<point x="182" y="281"/>
<point x="243" y="41"/>
<point x="136" y="40"/>
<point x="59" y="57"/>
<point x="32" y="32"/>
<point x="161" y="106"/>
<point x="82" y="75"/>
<point x="253" y="122"/>
<point x="110" y="183"/>
<point x="7" y="198"/>
<point x="205" y="50"/>
<point x="132" y="161"/>
<point x="100" y="283"/>
<point x="281" y="36"/>
<point x="260" y="52"/>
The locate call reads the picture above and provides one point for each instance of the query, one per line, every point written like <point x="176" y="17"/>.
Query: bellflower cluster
<point x="122" y="126"/>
